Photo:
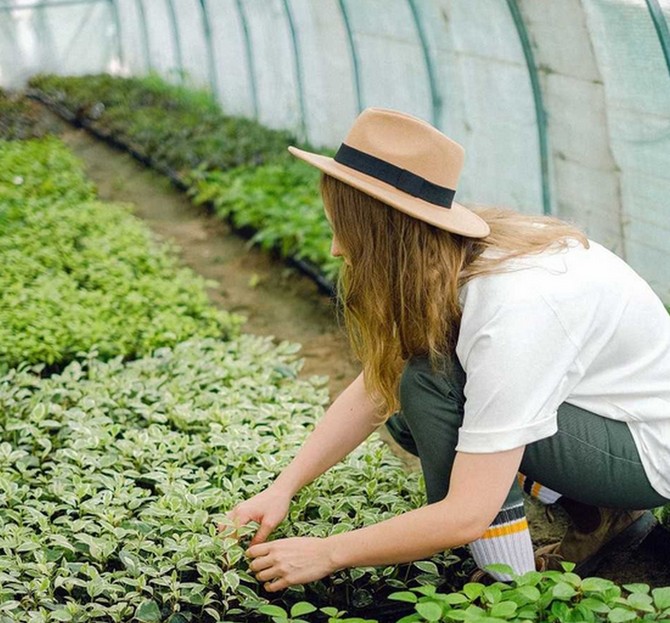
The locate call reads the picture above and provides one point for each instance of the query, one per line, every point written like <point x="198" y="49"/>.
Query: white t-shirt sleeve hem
<point x="487" y="441"/>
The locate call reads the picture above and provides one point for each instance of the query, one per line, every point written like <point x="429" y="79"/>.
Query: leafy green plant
<point x="78" y="273"/>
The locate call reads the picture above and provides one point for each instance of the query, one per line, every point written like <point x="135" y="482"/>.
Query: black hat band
<point x="402" y="179"/>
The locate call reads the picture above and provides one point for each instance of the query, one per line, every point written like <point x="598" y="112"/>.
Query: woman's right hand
<point x="268" y="508"/>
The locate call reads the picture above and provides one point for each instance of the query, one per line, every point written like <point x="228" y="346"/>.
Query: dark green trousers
<point x="590" y="459"/>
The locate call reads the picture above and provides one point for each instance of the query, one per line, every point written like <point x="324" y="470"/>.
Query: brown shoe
<point x="593" y="534"/>
<point x="482" y="577"/>
<point x="546" y="558"/>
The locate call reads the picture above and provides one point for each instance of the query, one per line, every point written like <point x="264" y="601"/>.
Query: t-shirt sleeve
<point x="518" y="364"/>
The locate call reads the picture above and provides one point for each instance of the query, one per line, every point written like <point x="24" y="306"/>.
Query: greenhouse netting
<point x="563" y="107"/>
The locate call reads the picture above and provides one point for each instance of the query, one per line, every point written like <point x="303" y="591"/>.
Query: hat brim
<point x="457" y="219"/>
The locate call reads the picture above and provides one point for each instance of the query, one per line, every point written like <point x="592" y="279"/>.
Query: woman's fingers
<point x="277" y="585"/>
<point x="267" y="575"/>
<point x="233" y="520"/>
<point x="258" y="564"/>
<point x="287" y="562"/>
<point x="262" y="533"/>
<point x="261" y="549"/>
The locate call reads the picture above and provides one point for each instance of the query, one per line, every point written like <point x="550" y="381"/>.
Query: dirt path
<point x="278" y="301"/>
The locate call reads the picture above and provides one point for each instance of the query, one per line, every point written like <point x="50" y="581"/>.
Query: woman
<point x="508" y="343"/>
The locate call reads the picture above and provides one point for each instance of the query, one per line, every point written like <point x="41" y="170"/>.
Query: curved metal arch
<point x="44" y="4"/>
<point x="84" y="19"/>
<point x="539" y="104"/>
<point x="8" y="30"/>
<point x="46" y="24"/>
<point x="661" y="26"/>
<point x="435" y="96"/>
<point x="114" y="8"/>
<point x="146" y="47"/>
<point x="298" y="68"/>
<point x="176" y="40"/>
<point x="211" y="62"/>
<point x="250" y="56"/>
<point x="355" y="62"/>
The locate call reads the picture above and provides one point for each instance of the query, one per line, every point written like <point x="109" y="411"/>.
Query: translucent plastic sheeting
<point x="582" y="167"/>
<point x="328" y="81"/>
<point x="488" y="101"/>
<point x="277" y="84"/>
<point x="13" y="34"/>
<point x="195" y="59"/>
<point x="134" y="37"/>
<point x="637" y="100"/>
<point x="234" y="66"/>
<point x="76" y="38"/>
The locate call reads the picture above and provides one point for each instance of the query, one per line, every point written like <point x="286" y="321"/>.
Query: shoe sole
<point x="630" y="539"/>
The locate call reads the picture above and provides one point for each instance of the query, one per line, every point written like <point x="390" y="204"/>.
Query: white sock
<point x="536" y="490"/>
<point x="507" y="541"/>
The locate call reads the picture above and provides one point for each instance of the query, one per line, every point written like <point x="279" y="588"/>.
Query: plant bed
<point x="114" y="476"/>
<point x="176" y="127"/>
<point x="283" y="213"/>
<point x="78" y="273"/>
<point x="279" y="202"/>
<point x="21" y="119"/>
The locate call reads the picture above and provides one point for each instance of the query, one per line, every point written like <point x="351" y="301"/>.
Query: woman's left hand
<point x="285" y="562"/>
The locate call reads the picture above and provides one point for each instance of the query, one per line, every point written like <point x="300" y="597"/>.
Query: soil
<point x="279" y="301"/>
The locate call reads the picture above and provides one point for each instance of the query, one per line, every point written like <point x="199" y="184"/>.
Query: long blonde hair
<point x="400" y="282"/>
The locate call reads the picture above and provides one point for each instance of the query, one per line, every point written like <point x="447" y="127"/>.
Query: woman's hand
<point x="285" y="562"/>
<point x="268" y="508"/>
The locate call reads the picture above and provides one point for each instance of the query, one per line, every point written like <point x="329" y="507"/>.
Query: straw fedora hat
<point x="406" y="163"/>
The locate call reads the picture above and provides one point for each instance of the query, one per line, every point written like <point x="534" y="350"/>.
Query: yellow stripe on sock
<point x="535" y="489"/>
<point x="510" y="528"/>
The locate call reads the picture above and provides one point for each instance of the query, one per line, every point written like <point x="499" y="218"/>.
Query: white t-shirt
<point x="574" y="325"/>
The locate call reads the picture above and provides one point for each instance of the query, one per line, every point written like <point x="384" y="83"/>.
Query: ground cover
<point x="78" y="273"/>
<point x="115" y="474"/>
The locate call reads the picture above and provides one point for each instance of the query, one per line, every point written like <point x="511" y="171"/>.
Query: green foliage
<point x="178" y="128"/>
<point x="78" y="273"/>
<point x="21" y="119"/>
<point x="114" y="475"/>
<point x="280" y="200"/>
<point x="552" y="596"/>
<point x="39" y="170"/>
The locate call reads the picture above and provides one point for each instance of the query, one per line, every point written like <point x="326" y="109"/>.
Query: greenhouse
<point x="242" y="383"/>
